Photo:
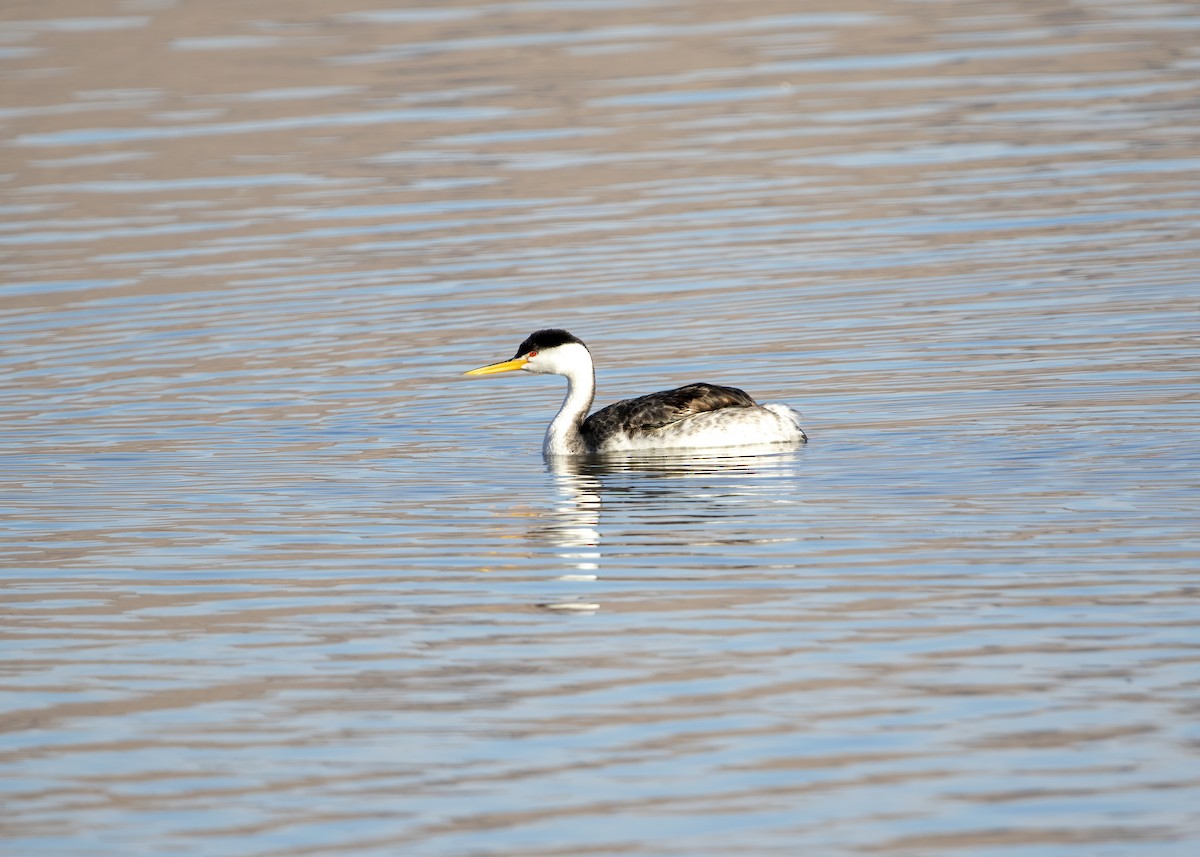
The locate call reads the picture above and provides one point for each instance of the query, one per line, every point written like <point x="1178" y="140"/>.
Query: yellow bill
<point x="506" y="366"/>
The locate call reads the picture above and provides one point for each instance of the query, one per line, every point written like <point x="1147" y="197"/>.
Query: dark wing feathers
<point x="647" y="413"/>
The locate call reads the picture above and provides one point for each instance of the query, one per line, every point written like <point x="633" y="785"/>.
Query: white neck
<point x="563" y="437"/>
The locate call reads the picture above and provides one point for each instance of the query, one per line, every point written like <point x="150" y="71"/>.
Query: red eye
<point x="531" y="354"/>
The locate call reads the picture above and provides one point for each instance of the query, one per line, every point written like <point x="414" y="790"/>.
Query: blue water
<point x="277" y="580"/>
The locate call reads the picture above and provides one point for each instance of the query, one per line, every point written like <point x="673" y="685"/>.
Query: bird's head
<point x="544" y="352"/>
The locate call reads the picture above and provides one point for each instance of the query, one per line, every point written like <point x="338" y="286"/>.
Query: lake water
<point x="278" y="581"/>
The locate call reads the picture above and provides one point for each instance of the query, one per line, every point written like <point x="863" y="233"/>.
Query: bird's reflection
<point x="574" y="520"/>
<point x="722" y="462"/>
<point x="687" y="489"/>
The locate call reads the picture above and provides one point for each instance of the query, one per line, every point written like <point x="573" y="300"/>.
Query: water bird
<point x="695" y="416"/>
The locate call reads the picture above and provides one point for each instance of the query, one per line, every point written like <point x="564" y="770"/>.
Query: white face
<point x="565" y="359"/>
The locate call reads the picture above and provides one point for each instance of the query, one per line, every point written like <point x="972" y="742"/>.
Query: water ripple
<point x="279" y="581"/>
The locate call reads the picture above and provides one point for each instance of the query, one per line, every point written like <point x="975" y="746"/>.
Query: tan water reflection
<point x="275" y="582"/>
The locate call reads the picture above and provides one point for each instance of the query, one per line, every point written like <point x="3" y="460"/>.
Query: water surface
<point x="276" y="580"/>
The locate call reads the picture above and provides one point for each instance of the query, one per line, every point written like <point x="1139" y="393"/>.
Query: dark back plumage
<point x="646" y="414"/>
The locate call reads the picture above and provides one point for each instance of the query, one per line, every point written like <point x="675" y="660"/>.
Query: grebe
<point x="698" y="416"/>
